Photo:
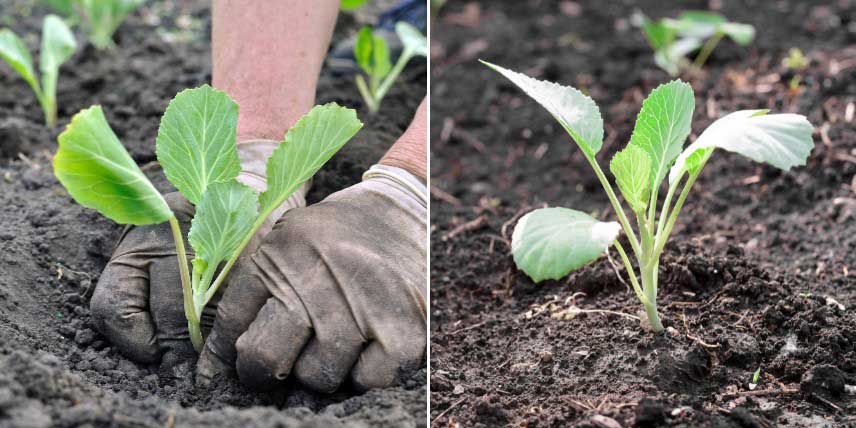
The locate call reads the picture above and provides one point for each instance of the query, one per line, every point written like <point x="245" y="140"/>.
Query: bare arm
<point x="267" y="56"/>
<point x="410" y="152"/>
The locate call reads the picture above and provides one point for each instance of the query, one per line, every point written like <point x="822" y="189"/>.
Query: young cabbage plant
<point x="58" y="45"/>
<point x="372" y="55"/>
<point x="549" y="243"/>
<point x="196" y="149"/>
<point x="101" y="18"/>
<point x="674" y="39"/>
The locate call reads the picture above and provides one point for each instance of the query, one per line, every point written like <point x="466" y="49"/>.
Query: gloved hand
<point x="137" y="303"/>
<point x="335" y="290"/>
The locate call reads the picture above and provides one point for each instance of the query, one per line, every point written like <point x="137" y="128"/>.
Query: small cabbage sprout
<point x="549" y="243"/>
<point x="674" y="38"/>
<point x="58" y="45"/>
<point x="372" y="54"/>
<point x="196" y="149"/>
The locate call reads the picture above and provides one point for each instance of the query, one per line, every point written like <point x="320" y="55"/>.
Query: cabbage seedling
<point x="673" y="39"/>
<point x="548" y="243"/>
<point x="101" y="18"/>
<point x="372" y="55"/>
<point x="196" y="149"/>
<point x="58" y="45"/>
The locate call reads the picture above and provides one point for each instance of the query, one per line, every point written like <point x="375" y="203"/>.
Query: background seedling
<point x="674" y="39"/>
<point x="548" y="243"/>
<point x="58" y="45"/>
<point x="372" y="55"/>
<point x="795" y="62"/>
<point x="196" y="148"/>
<point x="99" y="18"/>
<point x="756" y="377"/>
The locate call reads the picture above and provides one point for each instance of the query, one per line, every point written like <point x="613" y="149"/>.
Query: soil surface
<point x="55" y="368"/>
<point x="761" y="268"/>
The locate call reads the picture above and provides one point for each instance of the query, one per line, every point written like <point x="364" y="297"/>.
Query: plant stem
<point x="661" y="240"/>
<point x="50" y="113"/>
<point x="630" y="272"/>
<point x="366" y="94"/>
<point x="707" y="49"/>
<point x="48" y="105"/>
<point x="666" y="204"/>
<point x="209" y="293"/>
<point x="652" y="205"/>
<point x="663" y="235"/>
<point x="187" y="290"/>
<point x="645" y="234"/>
<point x="649" y="285"/>
<point x="622" y="218"/>
<point x="403" y="59"/>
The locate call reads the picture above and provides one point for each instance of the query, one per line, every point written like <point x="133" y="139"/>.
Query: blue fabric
<point x="414" y="12"/>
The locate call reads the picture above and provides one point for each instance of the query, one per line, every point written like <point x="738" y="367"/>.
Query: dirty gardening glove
<point x="137" y="303"/>
<point x="336" y="290"/>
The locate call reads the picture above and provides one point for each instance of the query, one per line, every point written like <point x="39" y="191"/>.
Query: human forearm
<point x="267" y="57"/>
<point x="410" y="152"/>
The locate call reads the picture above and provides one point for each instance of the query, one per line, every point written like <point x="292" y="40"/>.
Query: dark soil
<point x="757" y="266"/>
<point x="55" y="369"/>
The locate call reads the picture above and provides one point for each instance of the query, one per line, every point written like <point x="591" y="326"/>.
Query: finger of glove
<point x="325" y="362"/>
<point x="384" y="362"/>
<point x="272" y="343"/>
<point x="337" y="342"/>
<point x="120" y="309"/>
<point x="236" y="310"/>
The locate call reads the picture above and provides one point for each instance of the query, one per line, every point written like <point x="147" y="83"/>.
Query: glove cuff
<point x="254" y="155"/>
<point x="404" y="180"/>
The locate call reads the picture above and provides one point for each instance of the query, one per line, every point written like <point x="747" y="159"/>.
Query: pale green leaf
<point x="99" y="173"/>
<point x="103" y="17"/>
<point x="14" y="52"/>
<point x="696" y="24"/>
<point x="697" y="159"/>
<point x="381" y="64"/>
<point x="58" y="45"/>
<point x="664" y="60"/>
<point x="548" y="243"/>
<point x="781" y="140"/>
<point x="308" y="145"/>
<point x="363" y="49"/>
<point x="663" y="124"/>
<point x="632" y="170"/>
<point x="224" y="217"/>
<point x="658" y="34"/>
<point x="196" y="140"/>
<point x="414" y="41"/>
<point x="577" y="113"/>
<point x="672" y="57"/>
<point x="740" y="33"/>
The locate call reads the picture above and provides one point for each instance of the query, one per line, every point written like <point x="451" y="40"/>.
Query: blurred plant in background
<point x="673" y="39"/>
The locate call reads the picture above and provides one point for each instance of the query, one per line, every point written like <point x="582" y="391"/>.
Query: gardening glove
<point x="336" y="290"/>
<point x="138" y="303"/>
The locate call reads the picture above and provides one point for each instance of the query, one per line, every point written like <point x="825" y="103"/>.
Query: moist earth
<point x="759" y="270"/>
<point x="55" y="368"/>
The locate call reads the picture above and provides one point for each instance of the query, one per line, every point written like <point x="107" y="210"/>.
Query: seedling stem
<point x="707" y="49"/>
<point x="186" y="288"/>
